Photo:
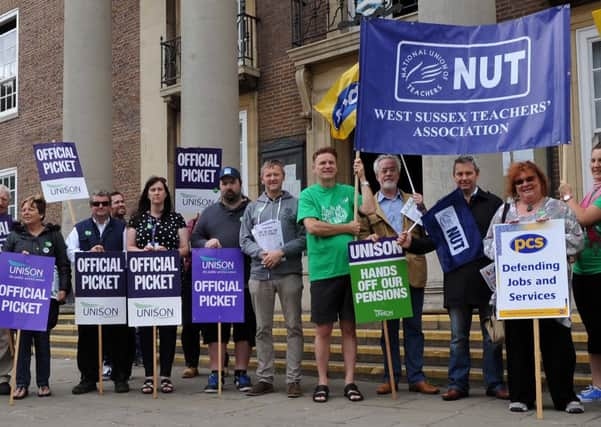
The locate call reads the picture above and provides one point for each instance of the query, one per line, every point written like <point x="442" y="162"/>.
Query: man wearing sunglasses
<point x="100" y="233"/>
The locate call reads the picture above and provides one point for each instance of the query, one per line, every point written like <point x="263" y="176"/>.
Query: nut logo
<point x="528" y="243"/>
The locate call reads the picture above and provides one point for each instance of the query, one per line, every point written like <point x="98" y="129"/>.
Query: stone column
<point x="209" y="101"/>
<point x="87" y="95"/>
<point x="437" y="170"/>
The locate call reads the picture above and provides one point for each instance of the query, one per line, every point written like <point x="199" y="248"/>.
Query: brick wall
<point x="40" y="80"/>
<point x="511" y="9"/>
<point x="278" y="100"/>
<point x="126" y="99"/>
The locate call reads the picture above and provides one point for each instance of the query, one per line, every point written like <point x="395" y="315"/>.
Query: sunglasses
<point x="96" y="204"/>
<point x="521" y="181"/>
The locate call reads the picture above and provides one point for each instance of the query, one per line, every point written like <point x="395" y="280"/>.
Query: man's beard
<point x="231" y="196"/>
<point x="389" y="185"/>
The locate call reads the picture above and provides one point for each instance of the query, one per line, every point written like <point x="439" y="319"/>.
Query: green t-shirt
<point x="589" y="260"/>
<point x="328" y="256"/>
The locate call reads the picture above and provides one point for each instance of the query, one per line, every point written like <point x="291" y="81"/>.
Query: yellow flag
<point x="597" y="19"/>
<point x="339" y="105"/>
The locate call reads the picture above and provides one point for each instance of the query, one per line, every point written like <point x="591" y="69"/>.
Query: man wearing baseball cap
<point x="219" y="227"/>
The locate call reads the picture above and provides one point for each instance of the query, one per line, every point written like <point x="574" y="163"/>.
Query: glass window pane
<point x="598" y="114"/>
<point x="597" y="84"/>
<point x="597" y="54"/>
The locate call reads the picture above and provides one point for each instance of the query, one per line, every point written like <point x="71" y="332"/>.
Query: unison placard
<point x="60" y="172"/>
<point x="100" y="288"/>
<point x="25" y="286"/>
<point x="196" y="178"/>
<point x="154" y="288"/>
<point x="217" y="285"/>
<point x="380" y="281"/>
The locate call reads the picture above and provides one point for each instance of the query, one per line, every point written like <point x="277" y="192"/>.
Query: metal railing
<point x="312" y="19"/>
<point x="171" y="50"/>
<point x="171" y="61"/>
<point x="247" y="40"/>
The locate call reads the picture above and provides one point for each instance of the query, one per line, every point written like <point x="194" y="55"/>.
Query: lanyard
<point x="262" y="208"/>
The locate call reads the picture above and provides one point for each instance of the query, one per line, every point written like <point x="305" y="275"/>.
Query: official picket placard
<point x="380" y="280"/>
<point x="196" y="178"/>
<point x="100" y="288"/>
<point x="154" y="288"/>
<point x="60" y="172"/>
<point x="6" y="222"/>
<point x="25" y="287"/>
<point x="217" y="285"/>
<point x="532" y="274"/>
<point x="450" y="89"/>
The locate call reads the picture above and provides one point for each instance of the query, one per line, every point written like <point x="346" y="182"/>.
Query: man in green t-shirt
<point x="326" y="210"/>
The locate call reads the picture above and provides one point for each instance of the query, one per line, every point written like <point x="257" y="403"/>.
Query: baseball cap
<point x="229" y="171"/>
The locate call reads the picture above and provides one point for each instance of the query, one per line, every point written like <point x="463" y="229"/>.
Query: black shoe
<point x="4" y="389"/>
<point x="121" y="387"/>
<point x="84" y="387"/>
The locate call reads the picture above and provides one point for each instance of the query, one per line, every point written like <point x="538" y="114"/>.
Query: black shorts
<point x="587" y="295"/>
<point x="331" y="300"/>
<point x="242" y="331"/>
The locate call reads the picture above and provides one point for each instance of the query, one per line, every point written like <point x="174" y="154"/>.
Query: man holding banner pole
<point x="326" y="210"/>
<point x="388" y="221"/>
<point x="100" y="233"/>
<point x="276" y="267"/>
<point x="219" y="227"/>
<point x="5" y="337"/>
<point x="456" y="225"/>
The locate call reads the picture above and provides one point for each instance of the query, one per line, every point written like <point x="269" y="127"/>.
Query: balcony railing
<point x="171" y="50"/>
<point x="247" y="40"/>
<point x="313" y="19"/>
<point x="171" y="60"/>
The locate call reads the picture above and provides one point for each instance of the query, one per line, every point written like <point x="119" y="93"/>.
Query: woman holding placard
<point x="155" y="227"/>
<point x="32" y="237"/>
<point x="527" y="188"/>
<point x="587" y="269"/>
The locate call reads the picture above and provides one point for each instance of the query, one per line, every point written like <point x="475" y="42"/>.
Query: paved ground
<point x="188" y="406"/>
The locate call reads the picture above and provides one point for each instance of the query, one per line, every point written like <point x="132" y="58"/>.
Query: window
<point x="8" y="65"/>
<point x="244" y="150"/>
<point x="8" y="177"/>
<point x="588" y="54"/>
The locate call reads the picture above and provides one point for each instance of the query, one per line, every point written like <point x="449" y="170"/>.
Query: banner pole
<point x="11" y="344"/>
<point x="563" y="173"/>
<point x="13" y="380"/>
<point x="389" y="360"/>
<point x="100" y="362"/>
<point x="537" y="373"/>
<point x="219" y="363"/>
<point x="71" y="211"/>
<point x="155" y="379"/>
<point x="356" y="200"/>
<point x="408" y="176"/>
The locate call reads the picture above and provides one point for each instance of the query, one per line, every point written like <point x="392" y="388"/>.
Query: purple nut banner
<point x="154" y="288"/>
<point x="25" y="286"/>
<point x="217" y="285"/>
<point x="100" y="288"/>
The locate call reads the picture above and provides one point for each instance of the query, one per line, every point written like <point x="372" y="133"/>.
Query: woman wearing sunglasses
<point x="587" y="269"/>
<point x="527" y="188"/>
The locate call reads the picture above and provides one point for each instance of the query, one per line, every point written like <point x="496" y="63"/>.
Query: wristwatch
<point x="364" y="183"/>
<point x="566" y="198"/>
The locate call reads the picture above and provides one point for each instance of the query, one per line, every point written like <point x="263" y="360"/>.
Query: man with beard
<point x="118" y="209"/>
<point x="219" y="227"/>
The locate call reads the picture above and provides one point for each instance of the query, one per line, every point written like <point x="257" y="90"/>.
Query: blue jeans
<point x="459" y="361"/>
<point x="41" y="340"/>
<point x="413" y="342"/>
